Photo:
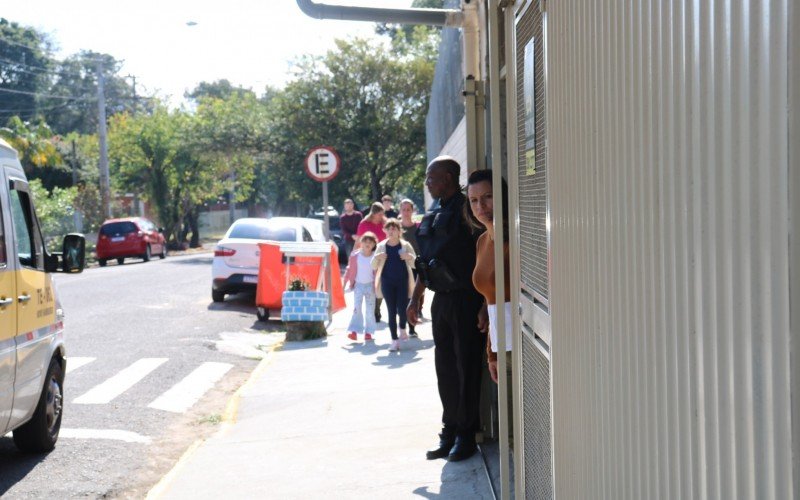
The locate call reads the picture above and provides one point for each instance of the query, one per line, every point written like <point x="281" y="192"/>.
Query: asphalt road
<point x="152" y="364"/>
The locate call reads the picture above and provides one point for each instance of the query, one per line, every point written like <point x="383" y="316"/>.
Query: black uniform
<point x="447" y="259"/>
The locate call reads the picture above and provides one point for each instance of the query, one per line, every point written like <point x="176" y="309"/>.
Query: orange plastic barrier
<point x="272" y="276"/>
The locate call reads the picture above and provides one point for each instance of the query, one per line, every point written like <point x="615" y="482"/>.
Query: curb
<point x="228" y="419"/>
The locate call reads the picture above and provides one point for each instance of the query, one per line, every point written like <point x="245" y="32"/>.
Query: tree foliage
<point x="367" y="102"/>
<point x="25" y="67"/>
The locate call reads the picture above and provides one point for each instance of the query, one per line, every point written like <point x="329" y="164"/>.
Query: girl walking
<point x="393" y="263"/>
<point x="361" y="277"/>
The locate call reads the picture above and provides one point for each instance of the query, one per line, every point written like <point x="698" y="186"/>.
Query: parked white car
<point x="236" y="257"/>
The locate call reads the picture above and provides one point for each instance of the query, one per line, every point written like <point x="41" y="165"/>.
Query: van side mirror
<point x="73" y="256"/>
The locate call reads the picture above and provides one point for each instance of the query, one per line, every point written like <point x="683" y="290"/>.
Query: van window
<point x="3" y="261"/>
<point x="28" y="241"/>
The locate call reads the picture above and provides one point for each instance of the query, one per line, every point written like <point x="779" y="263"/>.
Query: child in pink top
<point x="361" y="277"/>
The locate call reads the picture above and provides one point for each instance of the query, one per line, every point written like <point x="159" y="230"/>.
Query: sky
<point x="249" y="42"/>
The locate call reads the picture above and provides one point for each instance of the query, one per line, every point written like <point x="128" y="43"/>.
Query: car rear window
<point x="255" y="232"/>
<point x="118" y="228"/>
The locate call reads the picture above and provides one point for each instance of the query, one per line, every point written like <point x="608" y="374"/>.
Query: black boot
<point x="463" y="448"/>
<point x="446" y="441"/>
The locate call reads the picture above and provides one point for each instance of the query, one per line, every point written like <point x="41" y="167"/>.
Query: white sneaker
<point x="403" y="334"/>
<point x="395" y="346"/>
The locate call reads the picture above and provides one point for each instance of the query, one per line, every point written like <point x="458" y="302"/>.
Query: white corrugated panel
<point x="668" y="153"/>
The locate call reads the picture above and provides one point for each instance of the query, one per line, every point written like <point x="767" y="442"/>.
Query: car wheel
<point x="163" y="254"/>
<point x="120" y="260"/>
<point x="146" y="256"/>
<point x="41" y="432"/>
<point x="217" y="296"/>
<point x="101" y="262"/>
<point x="262" y="313"/>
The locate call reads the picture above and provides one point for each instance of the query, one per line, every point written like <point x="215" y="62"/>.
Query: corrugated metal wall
<point x="668" y="170"/>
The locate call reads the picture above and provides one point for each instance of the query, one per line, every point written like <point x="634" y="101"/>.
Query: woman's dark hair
<point x="486" y="176"/>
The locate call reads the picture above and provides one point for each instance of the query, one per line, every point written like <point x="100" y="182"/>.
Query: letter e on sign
<point x="322" y="163"/>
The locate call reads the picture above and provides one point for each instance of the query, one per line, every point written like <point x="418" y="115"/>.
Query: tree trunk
<point x="194" y="215"/>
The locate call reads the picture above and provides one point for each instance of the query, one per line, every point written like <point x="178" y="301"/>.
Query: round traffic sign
<point x="322" y="163"/>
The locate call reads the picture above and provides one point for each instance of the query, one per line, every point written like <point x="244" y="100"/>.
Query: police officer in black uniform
<point x="445" y="265"/>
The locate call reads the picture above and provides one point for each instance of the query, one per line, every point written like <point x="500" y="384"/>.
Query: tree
<point x="72" y="106"/>
<point x="158" y="156"/>
<point x="25" y="68"/>
<point x="220" y="89"/>
<point x="367" y="102"/>
<point x="38" y="150"/>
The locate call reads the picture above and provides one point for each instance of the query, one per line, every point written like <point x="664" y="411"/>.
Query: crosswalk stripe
<point x="185" y="393"/>
<point x="121" y="382"/>
<point x="112" y="434"/>
<point x="73" y="363"/>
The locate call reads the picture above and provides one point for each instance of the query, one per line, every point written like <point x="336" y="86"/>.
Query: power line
<point x="49" y="96"/>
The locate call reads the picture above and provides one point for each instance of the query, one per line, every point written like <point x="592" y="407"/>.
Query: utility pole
<point x="77" y="217"/>
<point x="105" y="185"/>
<point x="135" y="98"/>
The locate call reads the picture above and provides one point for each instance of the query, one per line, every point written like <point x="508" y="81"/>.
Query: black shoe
<point x="445" y="445"/>
<point x="462" y="449"/>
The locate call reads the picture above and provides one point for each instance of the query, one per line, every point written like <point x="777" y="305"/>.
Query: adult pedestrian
<point x="373" y="223"/>
<point x="481" y="204"/>
<point x="447" y="245"/>
<point x="409" y="227"/>
<point x="348" y="222"/>
<point x="388" y="206"/>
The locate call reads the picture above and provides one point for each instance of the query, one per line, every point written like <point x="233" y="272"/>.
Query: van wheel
<point x="146" y="256"/>
<point x="217" y="296"/>
<point x="121" y="260"/>
<point x="101" y="262"/>
<point x="41" y="432"/>
<point x="262" y="313"/>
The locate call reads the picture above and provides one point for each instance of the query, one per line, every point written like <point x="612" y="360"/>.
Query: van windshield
<point x="118" y="228"/>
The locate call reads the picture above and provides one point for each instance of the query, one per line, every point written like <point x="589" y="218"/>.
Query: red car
<point x="129" y="237"/>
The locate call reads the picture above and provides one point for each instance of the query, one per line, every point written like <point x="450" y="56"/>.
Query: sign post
<point x="322" y="165"/>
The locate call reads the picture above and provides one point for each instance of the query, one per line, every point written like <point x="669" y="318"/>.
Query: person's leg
<point x="446" y="378"/>
<point x="390" y="298"/>
<point x="469" y="344"/>
<point x="357" y="322"/>
<point x="377" y="308"/>
<point x="369" y="308"/>
<point x="402" y="302"/>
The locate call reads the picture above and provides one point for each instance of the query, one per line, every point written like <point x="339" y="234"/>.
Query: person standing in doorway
<point x="349" y="221"/>
<point x="481" y="204"/>
<point x="447" y="246"/>
<point x="388" y="206"/>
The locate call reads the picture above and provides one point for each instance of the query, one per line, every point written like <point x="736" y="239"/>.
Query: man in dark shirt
<point x="348" y="222"/>
<point x="388" y="207"/>
<point x="447" y="248"/>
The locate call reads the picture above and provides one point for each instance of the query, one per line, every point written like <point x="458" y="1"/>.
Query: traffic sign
<point x="322" y="163"/>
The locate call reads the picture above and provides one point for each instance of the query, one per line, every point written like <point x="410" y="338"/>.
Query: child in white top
<point x="361" y="277"/>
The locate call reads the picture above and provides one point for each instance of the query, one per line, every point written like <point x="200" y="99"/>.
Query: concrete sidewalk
<point x="332" y="419"/>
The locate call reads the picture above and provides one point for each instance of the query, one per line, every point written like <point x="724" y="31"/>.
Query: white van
<point x="32" y="356"/>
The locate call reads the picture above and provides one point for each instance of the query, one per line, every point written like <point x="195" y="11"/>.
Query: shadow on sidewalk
<point x="451" y="486"/>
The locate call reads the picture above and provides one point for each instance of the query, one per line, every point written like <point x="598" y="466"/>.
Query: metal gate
<point x="533" y="254"/>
